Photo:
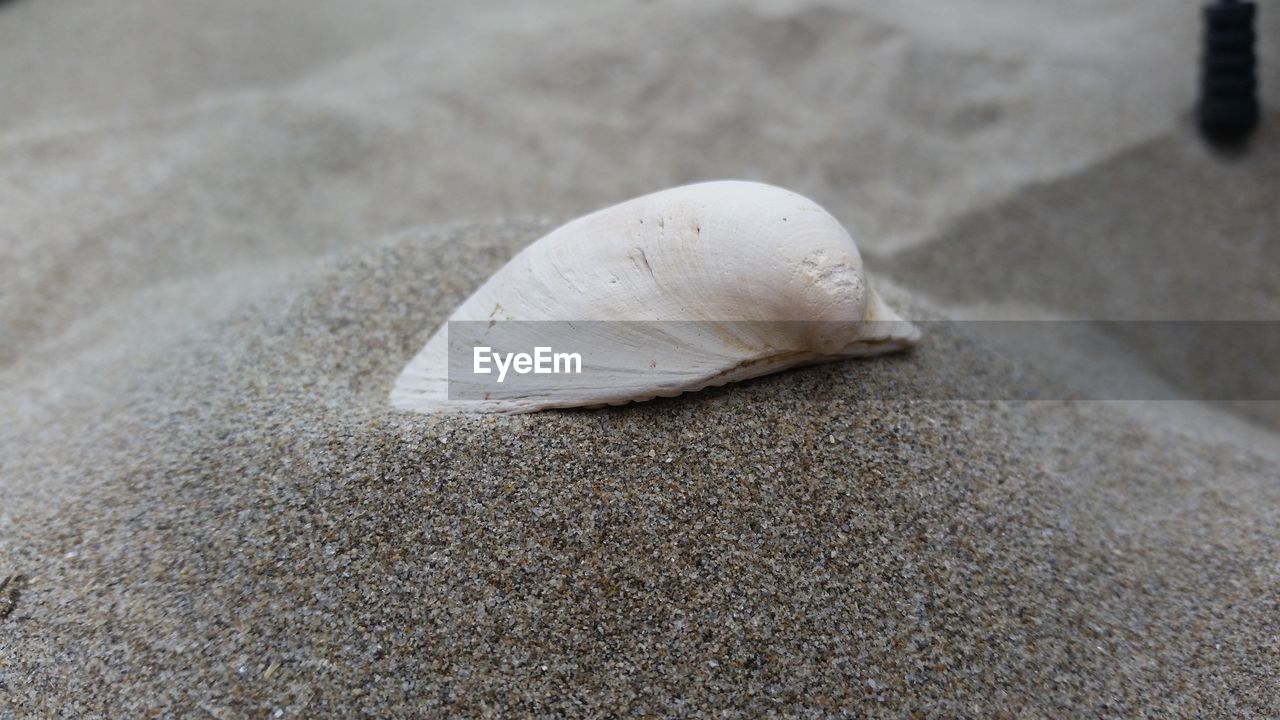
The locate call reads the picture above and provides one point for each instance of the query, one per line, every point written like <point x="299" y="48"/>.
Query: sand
<point x="225" y="232"/>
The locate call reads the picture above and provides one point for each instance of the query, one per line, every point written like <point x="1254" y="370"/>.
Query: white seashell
<point x="693" y="287"/>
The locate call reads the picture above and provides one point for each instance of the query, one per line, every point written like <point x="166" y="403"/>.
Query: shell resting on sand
<point x="668" y="293"/>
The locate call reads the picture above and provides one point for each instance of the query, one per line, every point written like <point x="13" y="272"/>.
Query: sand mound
<point x="255" y="530"/>
<point x="207" y="506"/>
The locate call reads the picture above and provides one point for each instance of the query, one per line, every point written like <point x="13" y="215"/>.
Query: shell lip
<point x="746" y="369"/>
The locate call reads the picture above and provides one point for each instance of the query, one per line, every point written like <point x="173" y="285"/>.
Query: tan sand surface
<point x="225" y="227"/>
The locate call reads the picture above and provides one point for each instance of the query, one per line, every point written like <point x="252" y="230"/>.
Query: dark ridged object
<point x="1228" y="109"/>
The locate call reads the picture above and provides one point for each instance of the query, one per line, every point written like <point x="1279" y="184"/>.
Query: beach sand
<point x="224" y="232"/>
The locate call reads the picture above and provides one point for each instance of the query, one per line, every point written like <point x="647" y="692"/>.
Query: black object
<point x="1228" y="109"/>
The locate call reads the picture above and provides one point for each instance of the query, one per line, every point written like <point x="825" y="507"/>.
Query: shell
<point x="671" y="292"/>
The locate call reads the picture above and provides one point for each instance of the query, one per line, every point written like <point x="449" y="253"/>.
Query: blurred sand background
<point x="225" y="226"/>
